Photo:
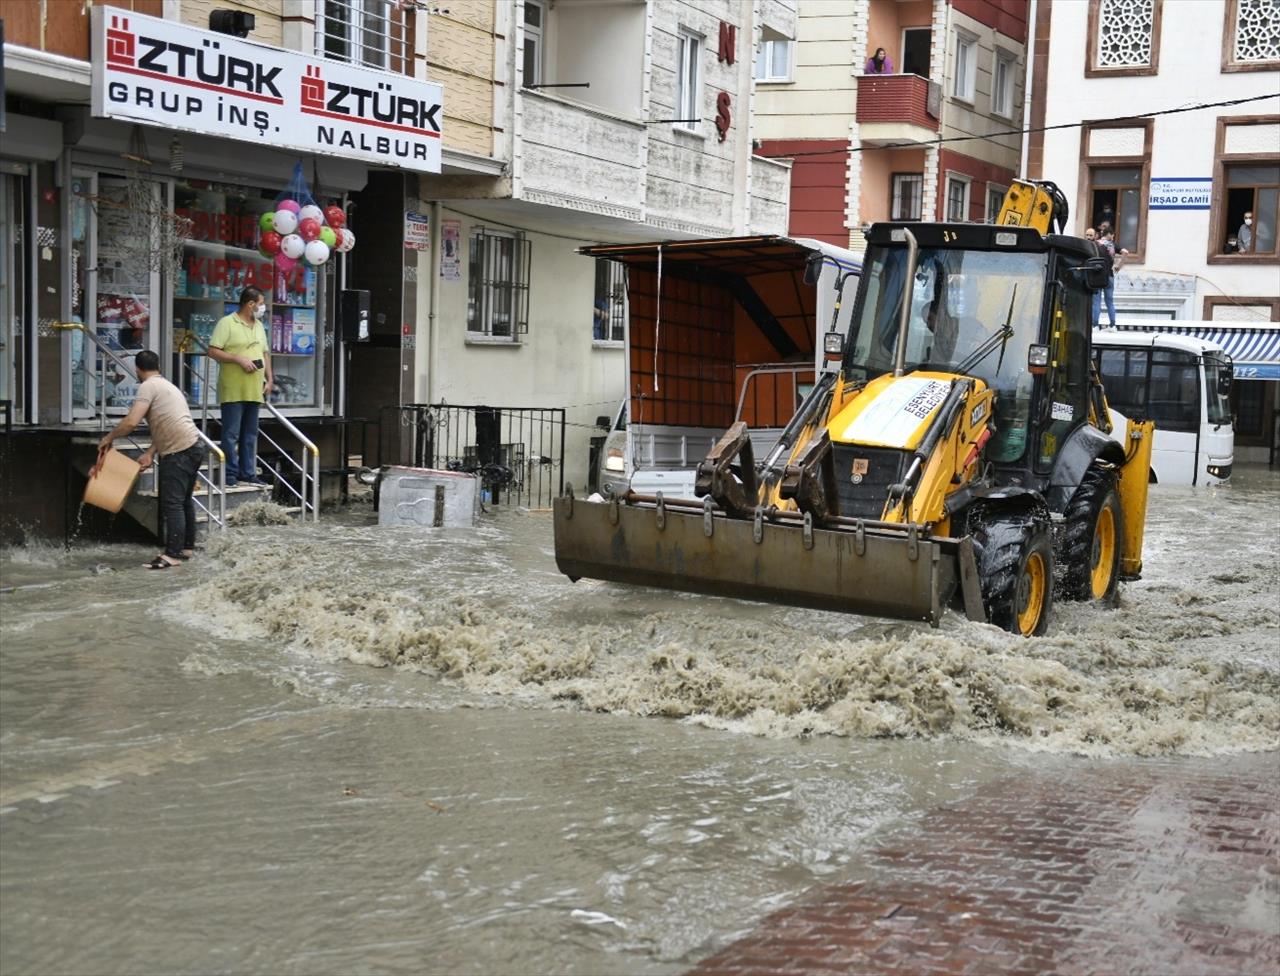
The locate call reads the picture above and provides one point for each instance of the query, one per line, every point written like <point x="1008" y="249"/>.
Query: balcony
<point x="580" y="157"/>
<point x="897" y="108"/>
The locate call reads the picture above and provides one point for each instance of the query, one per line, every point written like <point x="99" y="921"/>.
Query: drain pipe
<point x="433" y="305"/>
<point x="1026" y="88"/>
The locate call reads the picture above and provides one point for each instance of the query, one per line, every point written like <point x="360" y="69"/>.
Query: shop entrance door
<point x="15" y="286"/>
<point x="122" y="299"/>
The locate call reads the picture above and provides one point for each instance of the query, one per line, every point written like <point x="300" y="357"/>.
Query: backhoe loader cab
<point x="958" y="456"/>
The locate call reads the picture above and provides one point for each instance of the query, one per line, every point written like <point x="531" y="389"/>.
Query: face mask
<point x="258" y="311"/>
<point x="1248" y="221"/>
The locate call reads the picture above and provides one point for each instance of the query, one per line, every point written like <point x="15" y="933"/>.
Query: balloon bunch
<point x="294" y="233"/>
<point x="298" y="230"/>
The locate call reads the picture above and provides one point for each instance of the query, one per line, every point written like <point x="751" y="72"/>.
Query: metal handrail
<point x="308" y="449"/>
<point x="217" y="486"/>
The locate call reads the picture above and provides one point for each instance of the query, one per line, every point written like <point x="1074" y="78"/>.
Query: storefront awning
<point x="1255" y="353"/>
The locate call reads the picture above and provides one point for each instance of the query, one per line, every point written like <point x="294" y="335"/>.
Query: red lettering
<point x="728" y="41"/>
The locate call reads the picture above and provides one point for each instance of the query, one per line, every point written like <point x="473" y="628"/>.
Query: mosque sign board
<point x="1180" y="193"/>
<point x="163" y="73"/>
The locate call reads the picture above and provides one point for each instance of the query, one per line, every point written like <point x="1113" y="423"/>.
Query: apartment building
<point x="865" y="137"/>
<point x="621" y="120"/>
<point x="1176" y="187"/>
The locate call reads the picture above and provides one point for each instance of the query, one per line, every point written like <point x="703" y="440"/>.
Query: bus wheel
<point x="1093" y="540"/>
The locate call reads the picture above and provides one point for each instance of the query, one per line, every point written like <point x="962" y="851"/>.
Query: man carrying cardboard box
<point x="176" y="441"/>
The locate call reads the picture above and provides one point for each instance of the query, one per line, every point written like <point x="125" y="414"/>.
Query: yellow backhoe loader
<point x="956" y="453"/>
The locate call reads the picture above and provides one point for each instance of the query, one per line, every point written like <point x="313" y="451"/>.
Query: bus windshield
<point x="1217" y="388"/>
<point x="959" y="299"/>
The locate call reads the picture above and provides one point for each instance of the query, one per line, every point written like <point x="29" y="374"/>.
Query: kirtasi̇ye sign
<point x="1181" y="193"/>
<point x="162" y="73"/>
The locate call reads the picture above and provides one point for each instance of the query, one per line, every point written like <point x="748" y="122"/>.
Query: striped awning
<point x="1255" y="353"/>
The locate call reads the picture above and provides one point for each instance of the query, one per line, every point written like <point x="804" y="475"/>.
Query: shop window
<point x="995" y="200"/>
<point x="773" y="57"/>
<point x="1124" y="37"/>
<point x="372" y="33"/>
<point x="609" y="310"/>
<point x="688" y="82"/>
<point x="957" y="199"/>
<point x="1248" y="401"/>
<point x="1115" y="199"/>
<point x="1253" y="194"/>
<point x="966" y="75"/>
<point x="1251" y="36"/>
<point x="535" y="21"/>
<point x="908" y="194"/>
<point x="220" y="259"/>
<point x="1002" y="85"/>
<point x="498" y="284"/>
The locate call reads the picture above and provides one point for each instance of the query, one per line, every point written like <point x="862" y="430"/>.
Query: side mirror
<point x="813" y="268"/>
<point x="1096" y="271"/>
<point x="604" y="423"/>
<point x="833" y="346"/>
<point x="1224" y="383"/>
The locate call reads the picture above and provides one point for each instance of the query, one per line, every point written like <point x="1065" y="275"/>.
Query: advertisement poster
<point x="450" y="250"/>
<point x="417" y="231"/>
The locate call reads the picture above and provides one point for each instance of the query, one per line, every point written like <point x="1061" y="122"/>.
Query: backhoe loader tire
<point x="1015" y="566"/>
<point x="1093" y="540"/>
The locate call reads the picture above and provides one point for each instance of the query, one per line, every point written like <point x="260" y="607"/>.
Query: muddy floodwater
<point x="345" y="748"/>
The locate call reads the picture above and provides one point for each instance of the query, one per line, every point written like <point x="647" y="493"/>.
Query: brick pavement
<point x="1160" y="867"/>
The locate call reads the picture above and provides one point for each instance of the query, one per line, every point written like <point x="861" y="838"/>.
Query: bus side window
<point x="1124" y="377"/>
<point x="1175" y="390"/>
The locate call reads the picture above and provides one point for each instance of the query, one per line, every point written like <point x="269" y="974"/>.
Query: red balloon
<point x="309" y="229"/>
<point x="270" y="243"/>
<point x="335" y="216"/>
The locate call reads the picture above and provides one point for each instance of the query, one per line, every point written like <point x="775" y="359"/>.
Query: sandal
<point x="160" y="563"/>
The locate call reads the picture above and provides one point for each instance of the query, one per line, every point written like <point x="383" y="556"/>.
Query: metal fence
<point x="518" y="452"/>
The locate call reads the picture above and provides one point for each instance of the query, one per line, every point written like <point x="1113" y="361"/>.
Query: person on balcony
<point x="176" y="441"/>
<point x="239" y="344"/>
<point x="879" y="63"/>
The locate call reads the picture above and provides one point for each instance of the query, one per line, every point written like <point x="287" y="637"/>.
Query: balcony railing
<point x="898" y="100"/>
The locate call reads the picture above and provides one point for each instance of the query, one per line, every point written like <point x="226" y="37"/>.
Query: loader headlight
<point x="613" y="461"/>
<point x="833" y="345"/>
<point x="1038" y="358"/>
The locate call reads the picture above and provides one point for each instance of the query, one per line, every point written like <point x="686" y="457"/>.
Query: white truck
<point x="717" y="331"/>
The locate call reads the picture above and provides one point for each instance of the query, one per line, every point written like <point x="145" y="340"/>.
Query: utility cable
<point x="1138" y="117"/>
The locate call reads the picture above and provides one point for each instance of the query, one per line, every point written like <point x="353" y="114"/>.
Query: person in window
<point x="1244" y="236"/>
<point x="239" y="344"/>
<point x="600" y="323"/>
<point x="879" y="63"/>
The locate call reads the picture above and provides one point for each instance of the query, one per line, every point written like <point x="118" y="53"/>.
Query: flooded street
<point x="340" y="747"/>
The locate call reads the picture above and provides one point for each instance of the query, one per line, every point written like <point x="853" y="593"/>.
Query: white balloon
<point x="292" y="245"/>
<point x="317" y="252"/>
<point x="286" y="222"/>
<point x="312" y="211"/>
<point x="346" y="240"/>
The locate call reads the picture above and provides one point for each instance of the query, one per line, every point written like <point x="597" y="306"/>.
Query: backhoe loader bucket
<point x="862" y="567"/>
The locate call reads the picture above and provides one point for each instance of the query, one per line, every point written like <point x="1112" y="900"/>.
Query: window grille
<point x="908" y="193"/>
<point x="372" y="33"/>
<point x="957" y="200"/>
<point x="1125" y="29"/>
<point x="609" y="312"/>
<point x="498" y="283"/>
<point x="1257" y="31"/>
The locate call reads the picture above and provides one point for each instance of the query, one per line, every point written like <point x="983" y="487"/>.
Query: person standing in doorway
<point x="239" y="344"/>
<point x="175" y="440"/>
<point x="1115" y="257"/>
<point x="879" y="63"/>
<point x="1244" y="236"/>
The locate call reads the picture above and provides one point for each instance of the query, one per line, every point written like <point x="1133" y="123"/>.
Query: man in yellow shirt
<point x="239" y="344"/>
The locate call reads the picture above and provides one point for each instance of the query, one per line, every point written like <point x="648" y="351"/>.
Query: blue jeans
<point x="177" y="480"/>
<point x="240" y="439"/>
<point x="1110" y="293"/>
